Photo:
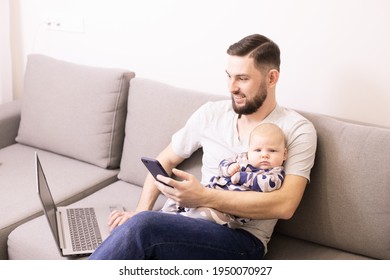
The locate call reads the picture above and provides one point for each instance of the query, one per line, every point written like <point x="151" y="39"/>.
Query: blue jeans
<point x="156" y="235"/>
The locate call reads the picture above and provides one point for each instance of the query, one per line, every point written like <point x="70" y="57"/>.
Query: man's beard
<point x="251" y="106"/>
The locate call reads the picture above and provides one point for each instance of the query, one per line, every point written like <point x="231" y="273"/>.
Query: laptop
<point x="77" y="231"/>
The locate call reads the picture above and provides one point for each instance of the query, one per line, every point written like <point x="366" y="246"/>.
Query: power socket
<point x="65" y="22"/>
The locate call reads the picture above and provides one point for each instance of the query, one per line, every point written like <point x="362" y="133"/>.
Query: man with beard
<point x="222" y="129"/>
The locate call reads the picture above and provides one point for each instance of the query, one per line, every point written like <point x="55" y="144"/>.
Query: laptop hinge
<point x="60" y="230"/>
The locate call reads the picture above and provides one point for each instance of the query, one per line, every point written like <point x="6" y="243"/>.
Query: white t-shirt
<point x="213" y="127"/>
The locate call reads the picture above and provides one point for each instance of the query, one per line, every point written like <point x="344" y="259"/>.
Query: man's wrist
<point x="209" y="198"/>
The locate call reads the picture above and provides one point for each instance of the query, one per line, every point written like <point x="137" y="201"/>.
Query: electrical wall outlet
<point x="65" y="22"/>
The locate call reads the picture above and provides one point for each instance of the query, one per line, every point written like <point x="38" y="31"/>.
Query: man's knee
<point x="144" y="221"/>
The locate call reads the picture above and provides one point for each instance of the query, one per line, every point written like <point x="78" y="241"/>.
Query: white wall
<point x="335" y="53"/>
<point x="5" y="54"/>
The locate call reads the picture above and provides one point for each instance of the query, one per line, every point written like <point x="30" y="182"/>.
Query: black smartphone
<point x="155" y="168"/>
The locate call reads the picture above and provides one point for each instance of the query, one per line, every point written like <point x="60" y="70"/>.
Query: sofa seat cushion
<point x="74" y="110"/>
<point x="69" y="180"/>
<point x="33" y="240"/>
<point x="282" y="247"/>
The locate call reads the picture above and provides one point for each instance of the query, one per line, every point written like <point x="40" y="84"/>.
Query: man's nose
<point x="233" y="87"/>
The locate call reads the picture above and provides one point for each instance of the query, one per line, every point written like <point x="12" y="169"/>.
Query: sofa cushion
<point x="155" y="114"/>
<point x="69" y="179"/>
<point x="74" y="110"/>
<point x="282" y="247"/>
<point x="346" y="205"/>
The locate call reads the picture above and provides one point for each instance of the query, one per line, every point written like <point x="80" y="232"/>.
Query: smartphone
<point x="155" y="168"/>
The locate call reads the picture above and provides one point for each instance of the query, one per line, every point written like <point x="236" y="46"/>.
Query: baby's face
<point x="266" y="152"/>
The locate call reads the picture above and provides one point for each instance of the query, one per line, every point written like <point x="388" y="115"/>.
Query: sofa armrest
<point x="9" y="122"/>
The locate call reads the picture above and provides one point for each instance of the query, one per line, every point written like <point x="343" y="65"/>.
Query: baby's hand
<point x="235" y="178"/>
<point x="233" y="168"/>
<point x="234" y="173"/>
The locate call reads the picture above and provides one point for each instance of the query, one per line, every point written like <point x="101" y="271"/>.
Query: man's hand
<point x="118" y="218"/>
<point x="187" y="193"/>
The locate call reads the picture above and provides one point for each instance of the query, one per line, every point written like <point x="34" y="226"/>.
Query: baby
<point x="259" y="169"/>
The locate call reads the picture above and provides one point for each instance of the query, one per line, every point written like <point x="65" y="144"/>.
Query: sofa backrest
<point x="347" y="203"/>
<point x="156" y="111"/>
<point x="74" y="110"/>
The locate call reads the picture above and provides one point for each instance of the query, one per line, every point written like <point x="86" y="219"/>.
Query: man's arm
<point x="150" y="193"/>
<point x="279" y="204"/>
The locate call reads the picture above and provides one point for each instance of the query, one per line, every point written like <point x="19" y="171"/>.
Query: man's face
<point x="246" y="84"/>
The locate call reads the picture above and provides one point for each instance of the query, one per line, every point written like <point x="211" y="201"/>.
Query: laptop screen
<point x="47" y="200"/>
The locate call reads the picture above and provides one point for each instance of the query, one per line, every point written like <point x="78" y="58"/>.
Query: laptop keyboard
<point x="84" y="229"/>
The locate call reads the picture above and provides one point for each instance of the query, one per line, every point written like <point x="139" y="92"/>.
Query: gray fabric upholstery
<point x="69" y="179"/>
<point x="156" y="111"/>
<point x="282" y="247"/>
<point x="346" y="205"/>
<point x="9" y="123"/>
<point x="74" y="115"/>
<point x="74" y="110"/>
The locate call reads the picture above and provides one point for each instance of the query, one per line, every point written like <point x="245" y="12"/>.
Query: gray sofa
<point x="91" y="129"/>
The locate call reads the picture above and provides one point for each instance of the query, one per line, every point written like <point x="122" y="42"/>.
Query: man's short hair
<point x="264" y="51"/>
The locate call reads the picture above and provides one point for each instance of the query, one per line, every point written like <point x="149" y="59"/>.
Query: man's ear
<point x="273" y="77"/>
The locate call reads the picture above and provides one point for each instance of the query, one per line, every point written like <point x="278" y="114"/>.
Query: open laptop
<point x="73" y="238"/>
